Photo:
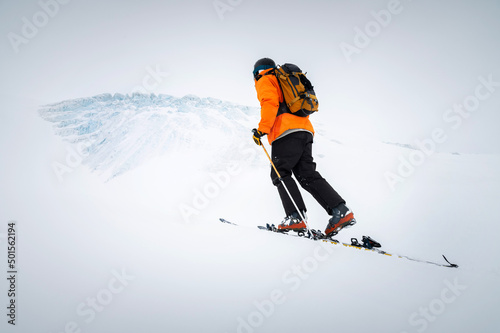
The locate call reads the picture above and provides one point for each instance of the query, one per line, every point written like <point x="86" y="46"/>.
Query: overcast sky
<point x="394" y="77"/>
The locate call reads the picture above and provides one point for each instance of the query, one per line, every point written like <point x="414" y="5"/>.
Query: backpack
<point x="298" y="93"/>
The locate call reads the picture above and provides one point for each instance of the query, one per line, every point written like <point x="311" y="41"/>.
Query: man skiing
<point x="291" y="139"/>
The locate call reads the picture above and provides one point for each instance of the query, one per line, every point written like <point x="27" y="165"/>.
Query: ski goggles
<point x="260" y="68"/>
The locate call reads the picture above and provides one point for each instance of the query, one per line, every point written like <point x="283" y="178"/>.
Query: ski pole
<point x="286" y="188"/>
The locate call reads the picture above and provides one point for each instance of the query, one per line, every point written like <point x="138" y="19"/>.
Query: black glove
<point x="257" y="135"/>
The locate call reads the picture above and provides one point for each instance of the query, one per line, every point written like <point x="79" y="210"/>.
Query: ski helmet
<point x="264" y="63"/>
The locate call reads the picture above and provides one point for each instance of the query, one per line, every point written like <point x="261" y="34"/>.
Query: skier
<point x="291" y="139"/>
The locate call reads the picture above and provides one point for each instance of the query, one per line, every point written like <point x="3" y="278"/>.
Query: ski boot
<point x="294" y="223"/>
<point x="342" y="217"/>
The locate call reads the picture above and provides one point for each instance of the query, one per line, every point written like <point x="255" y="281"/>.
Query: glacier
<point x="119" y="132"/>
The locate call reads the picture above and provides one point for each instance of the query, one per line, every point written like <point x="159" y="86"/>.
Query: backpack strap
<point x="293" y="101"/>
<point x="259" y="76"/>
<point x="283" y="107"/>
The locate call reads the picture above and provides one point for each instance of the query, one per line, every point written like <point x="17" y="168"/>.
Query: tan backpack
<point x="298" y="92"/>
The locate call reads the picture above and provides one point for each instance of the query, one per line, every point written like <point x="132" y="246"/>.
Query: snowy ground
<point x="133" y="243"/>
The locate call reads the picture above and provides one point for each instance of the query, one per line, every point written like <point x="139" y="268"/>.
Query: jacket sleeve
<point x="268" y="95"/>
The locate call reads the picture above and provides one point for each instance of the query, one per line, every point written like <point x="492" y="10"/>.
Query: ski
<point x="367" y="243"/>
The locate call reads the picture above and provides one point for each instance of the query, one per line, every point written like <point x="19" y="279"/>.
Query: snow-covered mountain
<point x="118" y="132"/>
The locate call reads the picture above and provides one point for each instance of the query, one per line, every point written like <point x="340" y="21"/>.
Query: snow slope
<point x="128" y="240"/>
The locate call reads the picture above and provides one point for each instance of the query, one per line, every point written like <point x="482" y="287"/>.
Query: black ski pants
<point x="293" y="154"/>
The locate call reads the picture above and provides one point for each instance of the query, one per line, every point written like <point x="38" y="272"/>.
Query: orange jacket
<point x="270" y="95"/>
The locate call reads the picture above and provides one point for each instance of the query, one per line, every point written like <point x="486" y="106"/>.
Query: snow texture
<point x="144" y="250"/>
